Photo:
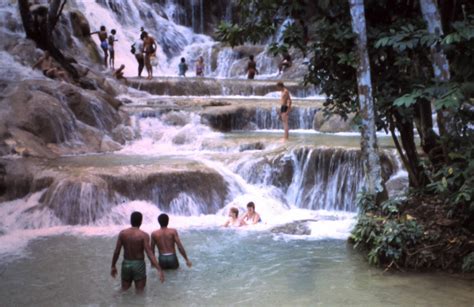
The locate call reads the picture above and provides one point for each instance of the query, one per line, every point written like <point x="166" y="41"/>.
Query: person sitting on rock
<point x="45" y="63"/>
<point x="118" y="74"/>
<point x="285" y="63"/>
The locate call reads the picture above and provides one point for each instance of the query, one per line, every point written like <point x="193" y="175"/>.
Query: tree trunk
<point x="429" y="9"/>
<point x="373" y="169"/>
<point x="39" y="28"/>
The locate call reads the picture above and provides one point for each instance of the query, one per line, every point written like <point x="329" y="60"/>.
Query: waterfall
<point x="175" y="39"/>
<point x="300" y="118"/>
<point x="311" y="178"/>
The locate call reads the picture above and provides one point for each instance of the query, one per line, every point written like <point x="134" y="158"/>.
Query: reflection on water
<point x="231" y="268"/>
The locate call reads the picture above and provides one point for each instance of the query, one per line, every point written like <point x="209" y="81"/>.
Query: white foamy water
<point x="24" y="220"/>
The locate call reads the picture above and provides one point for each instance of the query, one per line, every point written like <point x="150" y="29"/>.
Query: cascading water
<point x="71" y="208"/>
<point x="174" y="40"/>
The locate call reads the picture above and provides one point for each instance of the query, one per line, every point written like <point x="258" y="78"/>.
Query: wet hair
<point x="251" y="204"/>
<point x="102" y="28"/>
<point x="143" y="35"/>
<point x="136" y="219"/>
<point x="183" y="60"/>
<point x="163" y="219"/>
<point x="235" y="210"/>
<point x="251" y="57"/>
<point x="280" y="84"/>
<point x="113" y="31"/>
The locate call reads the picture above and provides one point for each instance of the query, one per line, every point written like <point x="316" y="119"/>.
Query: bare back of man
<point x="135" y="243"/>
<point x="166" y="239"/>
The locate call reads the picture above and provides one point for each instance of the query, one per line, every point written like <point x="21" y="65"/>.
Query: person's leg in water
<point x="140" y="285"/>
<point x="126" y="284"/>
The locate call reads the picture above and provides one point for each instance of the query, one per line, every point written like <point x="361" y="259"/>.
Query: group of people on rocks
<point x="144" y="49"/>
<point x="136" y="243"/>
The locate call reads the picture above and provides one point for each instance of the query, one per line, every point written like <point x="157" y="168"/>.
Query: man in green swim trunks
<point x="166" y="239"/>
<point x="134" y="242"/>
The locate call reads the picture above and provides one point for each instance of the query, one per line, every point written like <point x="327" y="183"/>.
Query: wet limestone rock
<point x="45" y="118"/>
<point x="298" y="228"/>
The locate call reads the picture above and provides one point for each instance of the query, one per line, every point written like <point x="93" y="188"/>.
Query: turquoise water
<point x="230" y="268"/>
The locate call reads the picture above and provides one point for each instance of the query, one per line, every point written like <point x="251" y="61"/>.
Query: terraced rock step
<point x="244" y="113"/>
<point x="175" y="86"/>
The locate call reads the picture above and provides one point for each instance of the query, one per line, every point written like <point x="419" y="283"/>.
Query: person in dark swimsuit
<point x="285" y="108"/>
<point x="135" y="244"/>
<point x="103" y="42"/>
<point x="166" y="239"/>
<point x="251" y="68"/>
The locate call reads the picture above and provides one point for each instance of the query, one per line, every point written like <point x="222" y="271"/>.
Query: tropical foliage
<point x="431" y="122"/>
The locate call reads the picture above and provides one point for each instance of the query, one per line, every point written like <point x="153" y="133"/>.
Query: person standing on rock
<point x="137" y="49"/>
<point x="166" y="240"/>
<point x="200" y="67"/>
<point x="149" y="47"/>
<point x="103" y="42"/>
<point x="182" y="67"/>
<point x="111" y="41"/>
<point x="251" y="68"/>
<point x="285" y="108"/>
<point x="135" y="243"/>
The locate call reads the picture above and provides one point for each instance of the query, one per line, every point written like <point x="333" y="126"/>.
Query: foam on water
<point x="24" y="220"/>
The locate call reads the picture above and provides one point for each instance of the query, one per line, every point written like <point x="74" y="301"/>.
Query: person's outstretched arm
<point x="181" y="250"/>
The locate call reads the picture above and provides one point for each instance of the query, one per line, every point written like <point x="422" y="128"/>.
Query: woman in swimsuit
<point x="200" y="67"/>
<point x="233" y="220"/>
<point x="251" y="217"/>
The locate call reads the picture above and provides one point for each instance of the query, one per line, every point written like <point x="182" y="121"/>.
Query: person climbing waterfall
<point x="166" y="239"/>
<point x="251" y="67"/>
<point x="135" y="243"/>
<point x="102" y="33"/>
<point x="285" y="108"/>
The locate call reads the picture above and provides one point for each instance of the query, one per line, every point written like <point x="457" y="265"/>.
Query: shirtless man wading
<point x="166" y="239"/>
<point x="134" y="242"/>
<point x="285" y="108"/>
